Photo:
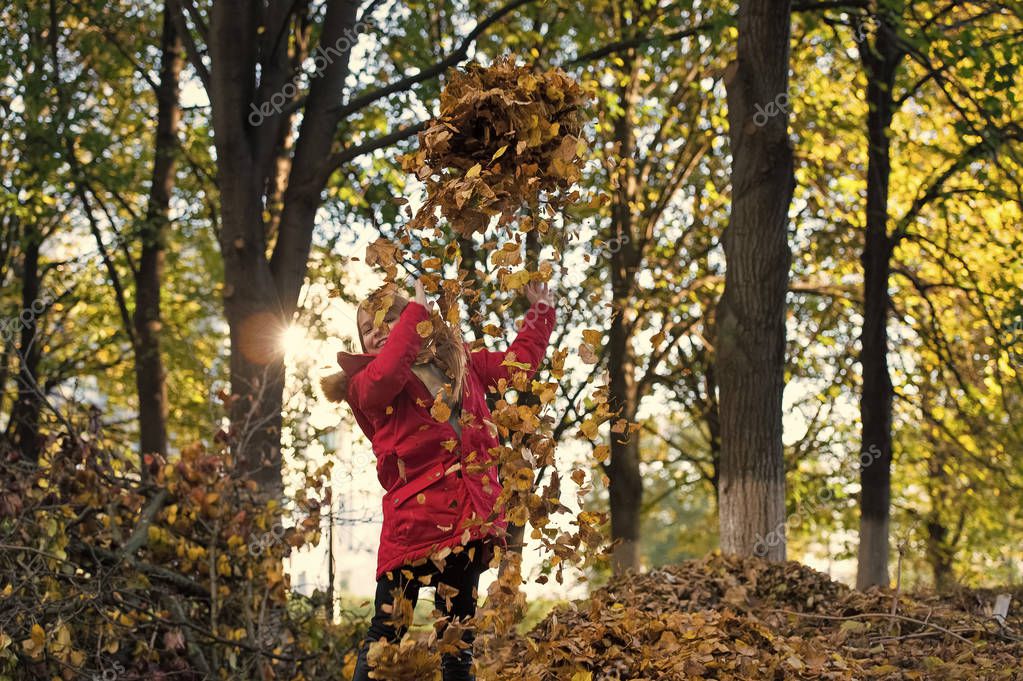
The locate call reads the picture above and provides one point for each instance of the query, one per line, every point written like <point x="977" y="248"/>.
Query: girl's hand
<point x="420" y="293"/>
<point x="537" y="291"/>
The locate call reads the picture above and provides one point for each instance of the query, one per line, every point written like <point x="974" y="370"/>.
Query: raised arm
<point x="529" y="346"/>
<point x="383" y="378"/>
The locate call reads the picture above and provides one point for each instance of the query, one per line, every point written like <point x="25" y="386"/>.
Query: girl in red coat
<point x="440" y="478"/>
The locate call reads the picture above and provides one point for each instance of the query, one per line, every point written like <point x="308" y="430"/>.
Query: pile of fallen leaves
<point x="733" y="618"/>
<point x="505" y="133"/>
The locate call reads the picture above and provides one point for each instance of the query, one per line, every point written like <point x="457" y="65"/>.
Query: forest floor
<point x="731" y="618"/>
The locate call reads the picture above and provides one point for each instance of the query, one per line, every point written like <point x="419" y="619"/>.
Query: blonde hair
<point x="444" y="347"/>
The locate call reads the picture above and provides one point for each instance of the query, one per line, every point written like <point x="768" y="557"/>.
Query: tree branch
<point x="369" y="146"/>
<point x="460" y="53"/>
<point x="194" y="56"/>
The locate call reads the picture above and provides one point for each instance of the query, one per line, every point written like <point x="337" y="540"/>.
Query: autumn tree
<point x="150" y="375"/>
<point x="888" y="35"/>
<point x="751" y="314"/>
<point x="658" y="153"/>
<point x="953" y="165"/>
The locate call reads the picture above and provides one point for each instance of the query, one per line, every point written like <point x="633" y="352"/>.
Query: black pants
<point x="461" y="573"/>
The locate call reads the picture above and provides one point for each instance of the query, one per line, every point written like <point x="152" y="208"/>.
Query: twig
<point x="921" y="634"/>
<point x="875" y="614"/>
<point x="898" y="586"/>
<point x="140" y="536"/>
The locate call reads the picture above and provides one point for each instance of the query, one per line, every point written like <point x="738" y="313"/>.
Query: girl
<point x="440" y="520"/>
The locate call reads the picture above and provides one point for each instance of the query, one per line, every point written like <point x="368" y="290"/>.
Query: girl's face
<point x="374" y="337"/>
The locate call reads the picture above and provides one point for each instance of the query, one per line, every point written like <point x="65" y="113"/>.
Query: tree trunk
<point x="150" y="375"/>
<point x="940" y="540"/>
<point x="261" y="295"/>
<point x="625" y="483"/>
<point x="625" y="487"/>
<point x="712" y="416"/>
<point x="751" y="314"/>
<point x="880" y="62"/>
<point x="940" y="553"/>
<point x="28" y="406"/>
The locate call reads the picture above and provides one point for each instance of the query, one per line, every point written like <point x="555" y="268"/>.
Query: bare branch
<point x="194" y="56"/>
<point x="460" y="53"/>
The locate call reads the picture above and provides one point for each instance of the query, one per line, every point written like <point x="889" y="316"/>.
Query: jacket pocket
<point x="427" y="508"/>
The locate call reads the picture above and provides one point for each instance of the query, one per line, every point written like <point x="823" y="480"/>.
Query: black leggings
<point x="460" y="572"/>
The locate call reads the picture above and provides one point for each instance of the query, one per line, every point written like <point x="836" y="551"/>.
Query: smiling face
<point x="374" y="337"/>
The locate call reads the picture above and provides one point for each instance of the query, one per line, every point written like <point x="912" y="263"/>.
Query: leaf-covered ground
<point x="731" y="618"/>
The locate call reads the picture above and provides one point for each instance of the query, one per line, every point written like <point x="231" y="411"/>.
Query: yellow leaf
<point x="424" y="328"/>
<point x="515" y="280"/>
<point x="499" y="152"/>
<point x="34" y="644"/>
<point x="474" y="171"/>
<point x="509" y="254"/>
<point x="440" y="411"/>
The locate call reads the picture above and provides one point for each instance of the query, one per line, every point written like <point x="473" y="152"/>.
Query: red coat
<point x="430" y="501"/>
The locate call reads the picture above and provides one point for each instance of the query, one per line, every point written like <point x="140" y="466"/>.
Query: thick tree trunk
<point x="751" y="314"/>
<point x="257" y="369"/>
<point x="261" y="295"/>
<point x="880" y="61"/>
<point x="149" y="369"/>
<point x="24" y="422"/>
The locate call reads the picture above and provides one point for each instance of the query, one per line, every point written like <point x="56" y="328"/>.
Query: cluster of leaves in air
<point x="508" y="138"/>
<point x="744" y="618"/>
<point x="104" y="574"/>
<point x="505" y="134"/>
